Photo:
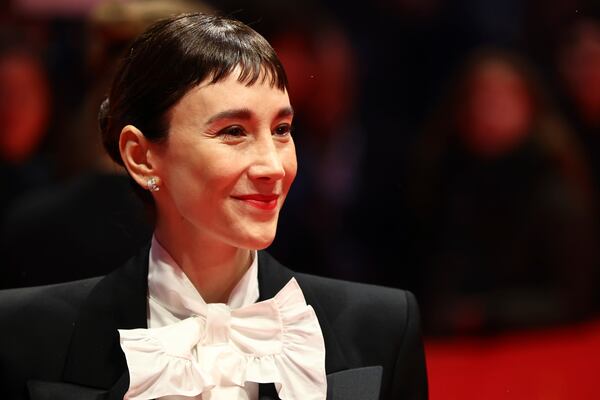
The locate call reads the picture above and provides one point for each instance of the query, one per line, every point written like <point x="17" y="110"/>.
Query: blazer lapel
<point x="357" y="384"/>
<point x="351" y="384"/>
<point x="119" y="301"/>
<point x="272" y="277"/>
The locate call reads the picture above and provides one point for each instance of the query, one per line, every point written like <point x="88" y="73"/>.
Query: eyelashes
<point x="283" y="130"/>
<point x="237" y="132"/>
<point x="231" y="132"/>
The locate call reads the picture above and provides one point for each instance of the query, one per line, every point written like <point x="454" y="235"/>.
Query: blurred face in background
<point x="322" y="77"/>
<point x="497" y="111"/>
<point x="24" y="106"/>
<point x="580" y="69"/>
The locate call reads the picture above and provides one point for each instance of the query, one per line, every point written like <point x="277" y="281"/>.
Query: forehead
<point x="208" y="98"/>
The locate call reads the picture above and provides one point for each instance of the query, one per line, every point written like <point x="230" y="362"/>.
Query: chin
<point x="262" y="246"/>
<point x="260" y="243"/>
<point x="259" y="240"/>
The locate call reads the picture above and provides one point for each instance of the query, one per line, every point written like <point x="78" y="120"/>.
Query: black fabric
<point x="68" y="332"/>
<point x="40" y="390"/>
<point x="362" y="383"/>
<point x="118" y="301"/>
<point x="267" y="391"/>
<point x="96" y="217"/>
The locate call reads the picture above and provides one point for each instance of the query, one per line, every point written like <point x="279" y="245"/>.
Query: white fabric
<point x="218" y="352"/>
<point x="172" y="297"/>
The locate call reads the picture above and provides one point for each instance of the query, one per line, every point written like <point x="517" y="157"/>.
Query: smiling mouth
<point x="267" y="202"/>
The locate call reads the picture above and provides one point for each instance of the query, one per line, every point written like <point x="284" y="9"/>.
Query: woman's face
<point x="228" y="163"/>
<point x="498" y="111"/>
<point x="24" y="106"/>
<point x="580" y="69"/>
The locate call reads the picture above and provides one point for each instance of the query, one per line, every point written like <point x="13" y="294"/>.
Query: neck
<point x="214" y="268"/>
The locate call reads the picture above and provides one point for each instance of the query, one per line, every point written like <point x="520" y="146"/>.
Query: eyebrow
<point x="246" y="114"/>
<point x="286" y="112"/>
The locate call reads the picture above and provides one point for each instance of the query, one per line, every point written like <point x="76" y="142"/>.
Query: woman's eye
<point x="283" y="130"/>
<point x="232" y="132"/>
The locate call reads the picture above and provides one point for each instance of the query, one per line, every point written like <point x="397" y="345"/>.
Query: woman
<point x="199" y="116"/>
<point x="501" y="193"/>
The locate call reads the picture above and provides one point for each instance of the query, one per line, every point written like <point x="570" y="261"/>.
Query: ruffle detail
<point x="161" y="363"/>
<point x="277" y="340"/>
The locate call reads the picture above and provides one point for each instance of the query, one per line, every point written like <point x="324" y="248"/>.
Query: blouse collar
<point x="171" y="288"/>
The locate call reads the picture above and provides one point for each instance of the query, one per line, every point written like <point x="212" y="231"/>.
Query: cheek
<point x="290" y="165"/>
<point x="202" y="193"/>
<point x="213" y="180"/>
<point x="189" y="178"/>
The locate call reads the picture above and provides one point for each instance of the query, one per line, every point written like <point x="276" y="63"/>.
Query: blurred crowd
<point x="446" y="147"/>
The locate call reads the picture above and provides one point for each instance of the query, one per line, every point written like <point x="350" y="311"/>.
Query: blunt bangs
<point x="215" y="52"/>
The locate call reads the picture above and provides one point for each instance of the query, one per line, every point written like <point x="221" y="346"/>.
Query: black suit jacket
<point x="61" y="341"/>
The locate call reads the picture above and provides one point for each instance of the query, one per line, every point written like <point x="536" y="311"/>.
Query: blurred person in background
<point x="502" y="204"/>
<point x="578" y="72"/>
<point x="25" y="113"/>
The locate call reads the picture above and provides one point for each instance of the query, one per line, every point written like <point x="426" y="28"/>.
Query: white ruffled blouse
<point x="195" y="350"/>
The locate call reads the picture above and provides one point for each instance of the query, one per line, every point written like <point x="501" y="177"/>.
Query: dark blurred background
<point x="446" y="147"/>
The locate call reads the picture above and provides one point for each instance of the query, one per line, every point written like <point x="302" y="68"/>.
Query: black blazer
<point x="61" y="342"/>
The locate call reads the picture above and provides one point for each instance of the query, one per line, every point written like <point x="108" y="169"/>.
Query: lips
<point x="266" y="202"/>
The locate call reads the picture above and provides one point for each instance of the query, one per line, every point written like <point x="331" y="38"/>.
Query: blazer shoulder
<point x="56" y="301"/>
<point x="341" y="294"/>
<point x="343" y="301"/>
<point x="370" y="316"/>
<point x="37" y="324"/>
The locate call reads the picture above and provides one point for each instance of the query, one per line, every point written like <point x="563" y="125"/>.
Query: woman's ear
<point x="135" y="153"/>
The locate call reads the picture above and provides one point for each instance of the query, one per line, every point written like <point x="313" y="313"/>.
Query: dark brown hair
<point x="170" y="58"/>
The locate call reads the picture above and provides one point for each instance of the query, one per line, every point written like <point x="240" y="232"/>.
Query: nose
<point x="267" y="164"/>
